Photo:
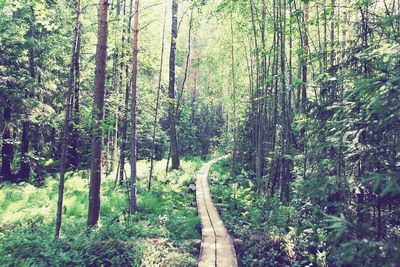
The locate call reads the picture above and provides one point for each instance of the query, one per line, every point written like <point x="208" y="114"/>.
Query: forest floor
<point x="164" y="232"/>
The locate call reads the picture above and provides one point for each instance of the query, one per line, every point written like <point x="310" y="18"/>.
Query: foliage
<point x="301" y="234"/>
<point x="304" y="95"/>
<point x="161" y="233"/>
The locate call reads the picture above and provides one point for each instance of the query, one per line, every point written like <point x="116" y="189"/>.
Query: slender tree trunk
<point x="275" y="80"/>
<point x="74" y="135"/>
<point x="304" y="85"/>
<point x="133" y="204"/>
<point x="121" y="109"/>
<point x="233" y="84"/>
<point x="171" y="89"/>
<point x="332" y="55"/>
<point x="257" y="102"/>
<point x="284" y="131"/>
<point x="7" y="149"/>
<point x="250" y="78"/>
<point x="305" y="60"/>
<point x="67" y="120"/>
<point x="25" y="169"/>
<point x="116" y="84"/>
<point x="325" y="37"/>
<point x="275" y="163"/>
<point x="124" y="128"/>
<point x="320" y="63"/>
<point x="100" y="75"/>
<point x="262" y="102"/>
<point x="153" y="142"/>
<point x="122" y="154"/>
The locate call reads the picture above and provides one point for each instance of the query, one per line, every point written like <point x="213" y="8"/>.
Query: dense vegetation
<point x="163" y="232"/>
<point x="106" y="108"/>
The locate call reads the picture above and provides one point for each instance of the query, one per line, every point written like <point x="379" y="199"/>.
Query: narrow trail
<point x="216" y="245"/>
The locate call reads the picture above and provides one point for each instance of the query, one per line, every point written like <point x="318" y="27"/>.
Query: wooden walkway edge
<point x="216" y="245"/>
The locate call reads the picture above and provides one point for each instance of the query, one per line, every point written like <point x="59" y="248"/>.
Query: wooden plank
<point x="216" y="247"/>
<point x="207" y="252"/>
<point x="226" y="255"/>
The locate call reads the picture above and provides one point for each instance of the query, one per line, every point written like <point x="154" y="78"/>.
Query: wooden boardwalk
<point x="216" y="246"/>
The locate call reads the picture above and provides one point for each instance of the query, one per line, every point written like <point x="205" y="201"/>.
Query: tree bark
<point x="305" y="60"/>
<point x="100" y="75"/>
<point x="74" y="135"/>
<point x="256" y="101"/>
<point x="171" y="89"/>
<point x="7" y="149"/>
<point x="124" y="127"/>
<point x="233" y="84"/>
<point x="332" y="54"/>
<point x="284" y="132"/>
<point x="67" y="120"/>
<point x="133" y="204"/>
<point x="116" y="89"/>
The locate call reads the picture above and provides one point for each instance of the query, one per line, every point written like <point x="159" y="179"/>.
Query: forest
<point x="158" y="132"/>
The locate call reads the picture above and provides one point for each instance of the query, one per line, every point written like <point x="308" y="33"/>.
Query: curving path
<point x="216" y="244"/>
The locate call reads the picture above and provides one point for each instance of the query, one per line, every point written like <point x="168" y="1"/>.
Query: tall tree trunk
<point x="284" y="131"/>
<point x="257" y="120"/>
<point x="171" y="89"/>
<point x="7" y="149"/>
<point x="305" y="60"/>
<point x="74" y="135"/>
<point x="153" y="141"/>
<point x="25" y="168"/>
<point x="116" y="91"/>
<point x="133" y="204"/>
<point x="263" y="100"/>
<point x="332" y="55"/>
<point x="304" y="85"/>
<point x="124" y="127"/>
<point x="275" y="68"/>
<point x="233" y="84"/>
<point x="100" y="75"/>
<point x="325" y="52"/>
<point x="124" y="136"/>
<point x="67" y="120"/>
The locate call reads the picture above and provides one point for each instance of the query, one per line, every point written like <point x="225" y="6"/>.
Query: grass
<point x="162" y="233"/>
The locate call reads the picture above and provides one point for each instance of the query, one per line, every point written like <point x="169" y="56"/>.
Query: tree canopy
<point x="109" y="107"/>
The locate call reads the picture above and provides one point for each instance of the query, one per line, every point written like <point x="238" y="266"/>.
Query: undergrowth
<point x="162" y="233"/>
<point x="299" y="234"/>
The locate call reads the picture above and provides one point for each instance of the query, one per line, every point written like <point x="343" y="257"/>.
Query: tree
<point x="67" y="119"/>
<point x="233" y="167"/>
<point x="133" y="204"/>
<point x="153" y="142"/>
<point x="125" y="111"/>
<point x="7" y="149"/>
<point x="100" y="75"/>
<point x="171" y="89"/>
<point x="74" y="133"/>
